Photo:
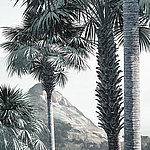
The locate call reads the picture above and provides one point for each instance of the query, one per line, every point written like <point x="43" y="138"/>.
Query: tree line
<point x="57" y="35"/>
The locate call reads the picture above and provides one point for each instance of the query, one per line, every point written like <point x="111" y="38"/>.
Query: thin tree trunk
<point x="132" y="135"/>
<point x="48" y="85"/>
<point x="50" y="121"/>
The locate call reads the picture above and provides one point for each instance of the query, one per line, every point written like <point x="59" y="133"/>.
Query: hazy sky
<point x="80" y="90"/>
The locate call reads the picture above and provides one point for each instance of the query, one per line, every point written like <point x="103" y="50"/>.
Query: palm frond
<point x="144" y="7"/>
<point x="74" y="60"/>
<point x="61" y="78"/>
<point x="82" y="46"/>
<point x="18" y="125"/>
<point x="9" y="139"/>
<point x="39" y="145"/>
<point x="14" y="106"/>
<point x="90" y="28"/>
<point x="144" y="40"/>
<point x="37" y="67"/>
<point x="144" y="32"/>
<point x="57" y="20"/>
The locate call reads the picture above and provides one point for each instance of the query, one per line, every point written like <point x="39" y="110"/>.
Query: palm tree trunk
<point x="113" y="142"/>
<point x="132" y="135"/>
<point x="50" y="120"/>
<point x="48" y="85"/>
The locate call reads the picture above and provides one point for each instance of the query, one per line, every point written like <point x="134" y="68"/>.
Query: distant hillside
<point x="73" y="131"/>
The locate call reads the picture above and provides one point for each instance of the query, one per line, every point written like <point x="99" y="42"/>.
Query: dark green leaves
<point x="18" y="125"/>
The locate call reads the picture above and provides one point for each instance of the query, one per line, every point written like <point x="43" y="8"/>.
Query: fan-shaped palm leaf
<point x="144" y="7"/>
<point x="61" y="78"/>
<point x="144" y="32"/>
<point x="51" y="18"/>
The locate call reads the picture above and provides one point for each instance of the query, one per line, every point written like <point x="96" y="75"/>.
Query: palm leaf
<point x="18" y="125"/>
<point x="144" y="32"/>
<point x="61" y="78"/>
<point x="145" y="7"/>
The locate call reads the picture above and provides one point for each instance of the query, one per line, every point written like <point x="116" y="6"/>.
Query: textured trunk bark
<point x="113" y="142"/>
<point x="50" y="121"/>
<point x="132" y="135"/>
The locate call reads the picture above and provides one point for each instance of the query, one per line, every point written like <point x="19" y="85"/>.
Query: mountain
<point x="73" y="131"/>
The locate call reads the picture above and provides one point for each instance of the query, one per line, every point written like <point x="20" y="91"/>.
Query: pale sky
<point x="80" y="89"/>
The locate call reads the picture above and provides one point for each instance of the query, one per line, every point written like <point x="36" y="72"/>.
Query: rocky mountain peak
<point x="73" y="131"/>
<point x="57" y="97"/>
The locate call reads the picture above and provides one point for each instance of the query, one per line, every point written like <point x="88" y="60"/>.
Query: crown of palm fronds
<point x="15" y="107"/>
<point x="31" y="56"/>
<point x="18" y="125"/>
<point x="47" y="19"/>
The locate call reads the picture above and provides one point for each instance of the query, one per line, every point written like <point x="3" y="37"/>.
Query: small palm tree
<point x="19" y="129"/>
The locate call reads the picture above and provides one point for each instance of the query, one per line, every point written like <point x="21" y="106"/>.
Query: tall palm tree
<point x="19" y="129"/>
<point x="51" y="22"/>
<point x="100" y="21"/>
<point x="96" y="16"/>
<point x="132" y="133"/>
<point x="47" y="62"/>
<point x="109" y="92"/>
<point x="93" y="10"/>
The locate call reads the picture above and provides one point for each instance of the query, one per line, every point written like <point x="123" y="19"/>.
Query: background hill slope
<point x="73" y="131"/>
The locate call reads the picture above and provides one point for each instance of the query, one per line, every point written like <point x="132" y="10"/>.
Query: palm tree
<point x="47" y="62"/>
<point x="132" y="133"/>
<point x="19" y="129"/>
<point x="109" y="92"/>
<point x="49" y="22"/>
<point x="94" y="21"/>
<point x="103" y="18"/>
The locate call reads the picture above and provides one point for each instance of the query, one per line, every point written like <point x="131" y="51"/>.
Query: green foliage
<point x="144" y="7"/>
<point x="31" y="57"/>
<point x="51" y="18"/>
<point x="92" y="14"/>
<point x="108" y="90"/>
<point x="19" y="128"/>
